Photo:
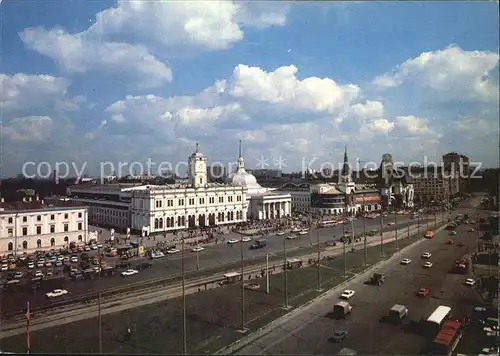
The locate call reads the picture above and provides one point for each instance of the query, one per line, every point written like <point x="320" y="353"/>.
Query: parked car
<point x="129" y="272"/>
<point x="56" y="293"/>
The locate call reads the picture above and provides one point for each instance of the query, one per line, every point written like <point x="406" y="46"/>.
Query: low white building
<point x="300" y="195"/>
<point x="31" y="225"/>
<point x="263" y="203"/>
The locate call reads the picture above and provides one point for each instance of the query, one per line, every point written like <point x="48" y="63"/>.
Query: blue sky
<point x="87" y="81"/>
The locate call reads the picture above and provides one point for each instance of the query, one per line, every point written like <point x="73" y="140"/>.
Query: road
<point x="307" y="330"/>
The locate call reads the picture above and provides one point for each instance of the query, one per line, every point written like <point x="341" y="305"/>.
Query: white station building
<point x="195" y="203"/>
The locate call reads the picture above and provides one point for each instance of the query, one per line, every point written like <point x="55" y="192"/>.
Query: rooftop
<point x="52" y="204"/>
<point x="119" y="187"/>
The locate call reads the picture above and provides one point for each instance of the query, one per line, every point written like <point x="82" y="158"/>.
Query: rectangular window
<point x="38" y="218"/>
<point x="52" y="217"/>
<point x="10" y="232"/>
<point x="66" y="215"/>
<point x="79" y="226"/>
<point x="181" y="202"/>
<point x="211" y="200"/>
<point x="38" y="230"/>
<point x="158" y="203"/>
<point x="52" y="229"/>
<point x="238" y="198"/>
<point x="170" y="202"/>
<point x="66" y="227"/>
<point x="25" y="231"/>
<point x="25" y="218"/>
<point x="10" y="220"/>
<point x="202" y="201"/>
<point x="79" y="215"/>
<point x="221" y="199"/>
<point x="191" y="201"/>
<point x="230" y="199"/>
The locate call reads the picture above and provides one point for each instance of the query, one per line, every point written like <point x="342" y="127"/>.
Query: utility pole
<point x="243" y="329"/>
<point x="345" y="260"/>
<point x="319" y="264"/>
<point x="267" y="273"/>
<point x="408" y="229"/>
<point x="381" y="235"/>
<point x="99" y="315"/>
<point x="184" y="326"/>
<point x="396" y="227"/>
<point x="285" y="271"/>
<point x="364" y="240"/>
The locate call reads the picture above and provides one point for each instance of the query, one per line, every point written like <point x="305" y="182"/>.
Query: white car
<point x="59" y="264"/>
<point x="48" y="264"/>
<point x="94" y="247"/>
<point x="405" y="261"/>
<point x="471" y="229"/>
<point x="291" y="237"/>
<point x="173" y="250"/>
<point x="303" y="232"/>
<point x="197" y="249"/>
<point x="280" y="233"/>
<point x="347" y="294"/>
<point x="246" y="239"/>
<point x="426" y="255"/>
<point x="470" y="282"/>
<point x="56" y="293"/>
<point x="31" y="265"/>
<point x="40" y="264"/>
<point x="129" y="272"/>
<point x="5" y="267"/>
<point x="453" y="233"/>
<point x="74" y="259"/>
<point x="86" y="248"/>
<point x="99" y="246"/>
<point x="233" y="241"/>
<point x="18" y="275"/>
<point x="60" y="258"/>
<point x="427" y="264"/>
<point x="295" y="229"/>
<point x="38" y="274"/>
<point x="157" y="254"/>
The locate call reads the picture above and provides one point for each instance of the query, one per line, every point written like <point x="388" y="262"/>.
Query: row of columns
<point x="275" y="210"/>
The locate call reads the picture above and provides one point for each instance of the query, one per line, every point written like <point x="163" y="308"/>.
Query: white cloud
<point x="452" y="72"/>
<point x="28" y="129"/>
<point x="79" y="54"/>
<point x="413" y="124"/>
<point x="135" y="37"/>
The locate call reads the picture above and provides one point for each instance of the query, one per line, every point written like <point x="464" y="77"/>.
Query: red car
<point x="422" y="292"/>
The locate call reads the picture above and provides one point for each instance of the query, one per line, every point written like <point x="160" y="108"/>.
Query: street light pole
<point x="267" y="273"/>
<point x="396" y="228"/>
<point x="285" y="272"/>
<point x="364" y="239"/>
<point x="243" y="329"/>
<point x="381" y="235"/>
<point x="345" y="260"/>
<point x="184" y="326"/>
<point x="319" y="265"/>
<point x="99" y="316"/>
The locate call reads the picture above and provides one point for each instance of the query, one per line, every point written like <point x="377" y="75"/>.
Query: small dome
<point x="244" y="179"/>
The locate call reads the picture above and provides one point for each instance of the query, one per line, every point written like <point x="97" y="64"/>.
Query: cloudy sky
<point x="124" y="81"/>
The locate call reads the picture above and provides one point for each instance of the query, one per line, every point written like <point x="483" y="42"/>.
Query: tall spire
<point x="197" y="147"/>
<point x="240" y="155"/>
<point x="241" y="162"/>
<point x="345" y="167"/>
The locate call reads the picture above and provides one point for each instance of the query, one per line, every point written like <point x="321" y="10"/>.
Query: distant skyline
<point x="121" y="81"/>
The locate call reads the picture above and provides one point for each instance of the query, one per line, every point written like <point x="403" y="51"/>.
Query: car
<point x="291" y="237"/>
<point x="471" y="229"/>
<point x="246" y="239"/>
<point x="99" y="245"/>
<point x="280" y="233"/>
<point x="233" y="241"/>
<point x="48" y="264"/>
<point x="60" y="258"/>
<point x="339" y="336"/>
<point x="426" y="255"/>
<point x="5" y="267"/>
<point x="40" y="264"/>
<point x="450" y="242"/>
<point x="453" y="233"/>
<point x="295" y="229"/>
<point x="197" y="249"/>
<point x="56" y="293"/>
<point x="38" y="274"/>
<point x="129" y="272"/>
<point x="347" y="294"/>
<point x="470" y="282"/>
<point x="173" y="250"/>
<point x="427" y="264"/>
<point x="423" y="292"/>
<point x="405" y="261"/>
<point x="31" y="265"/>
<point x="157" y="254"/>
<point x="74" y="259"/>
<point x="59" y="263"/>
<point x="391" y="224"/>
<point x="94" y="247"/>
<point x="53" y="259"/>
<point x="303" y="232"/>
<point x="86" y="248"/>
<point x="18" y="275"/>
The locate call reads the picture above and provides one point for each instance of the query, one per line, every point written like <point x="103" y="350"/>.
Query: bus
<point x="329" y="223"/>
<point x="429" y="234"/>
<point x="447" y="338"/>
<point x="437" y="318"/>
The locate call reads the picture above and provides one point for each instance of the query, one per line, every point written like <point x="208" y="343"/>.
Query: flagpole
<point x="28" y="343"/>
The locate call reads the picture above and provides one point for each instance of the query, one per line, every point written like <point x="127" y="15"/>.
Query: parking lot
<point x="308" y="332"/>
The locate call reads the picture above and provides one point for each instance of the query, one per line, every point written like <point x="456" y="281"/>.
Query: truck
<point x="377" y="279"/>
<point x="258" y="244"/>
<point x="398" y="312"/>
<point x="342" y="309"/>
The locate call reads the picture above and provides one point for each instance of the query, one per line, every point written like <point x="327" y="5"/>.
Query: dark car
<point x="144" y="265"/>
<point x="339" y="336"/>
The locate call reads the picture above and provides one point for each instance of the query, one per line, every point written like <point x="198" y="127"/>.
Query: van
<point x="398" y="312"/>
<point x="342" y="309"/>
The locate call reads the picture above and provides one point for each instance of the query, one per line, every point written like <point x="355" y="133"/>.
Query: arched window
<point x="160" y="223"/>
<point x="80" y="237"/>
<point x="179" y="220"/>
<point x="10" y="247"/>
<point x="52" y="242"/>
<point x="25" y="245"/>
<point x="66" y="238"/>
<point x="38" y="243"/>
<point x="156" y="223"/>
<point x="232" y="215"/>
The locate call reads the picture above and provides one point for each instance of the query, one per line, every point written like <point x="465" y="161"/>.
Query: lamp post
<point x="319" y="265"/>
<point x="184" y="326"/>
<point x="285" y="271"/>
<point x="99" y="315"/>
<point x="243" y="329"/>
